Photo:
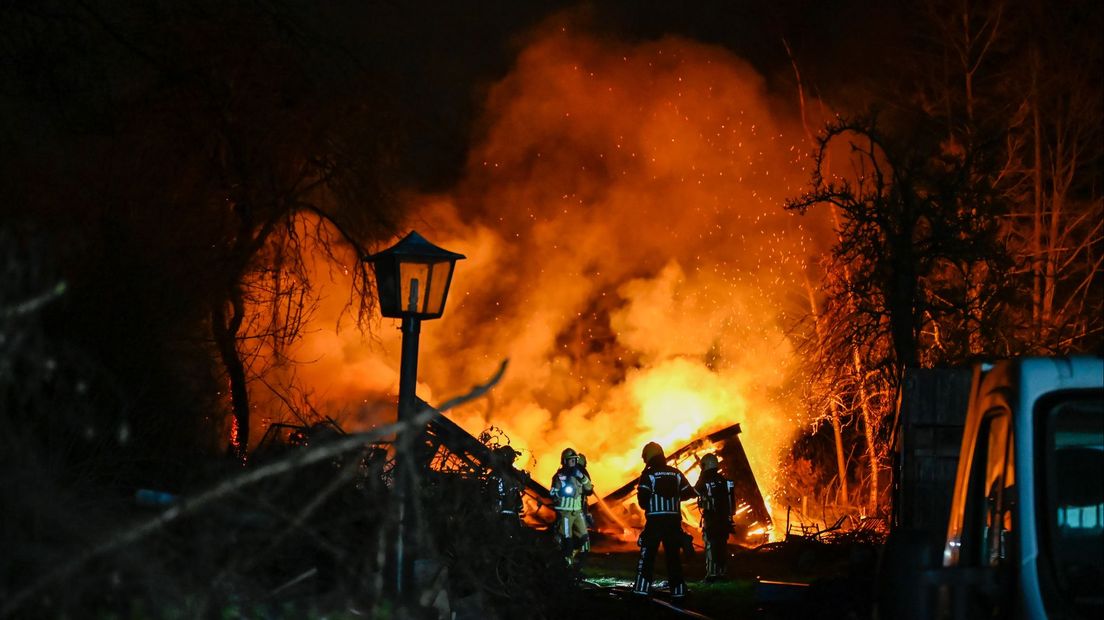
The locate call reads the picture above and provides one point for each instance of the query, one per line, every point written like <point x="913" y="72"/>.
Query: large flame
<point x="628" y="253"/>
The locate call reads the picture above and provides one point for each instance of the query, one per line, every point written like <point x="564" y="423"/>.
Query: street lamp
<point x="412" y="278"/>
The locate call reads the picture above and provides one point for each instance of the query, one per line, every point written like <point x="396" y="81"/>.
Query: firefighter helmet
<point x="651" y="450"/>
<point x="709" y="461"/>
<point x="568" y="453"/>
<point x="505" y="455"/>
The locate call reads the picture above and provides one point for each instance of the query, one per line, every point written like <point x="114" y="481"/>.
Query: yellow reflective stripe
<point x="569" y="503"/>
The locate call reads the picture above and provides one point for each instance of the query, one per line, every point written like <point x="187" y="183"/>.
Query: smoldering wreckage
<point x="312" y="522"/>
<point x="445" y="451"/>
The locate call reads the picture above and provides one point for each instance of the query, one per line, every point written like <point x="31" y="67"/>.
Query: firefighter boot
<point x="568" y="550"/>
<point x="582" y="547"/>
<point x="710" y="561"/>
<point x="678" y="592"/>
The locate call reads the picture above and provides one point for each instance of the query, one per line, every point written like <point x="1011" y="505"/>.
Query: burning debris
<point x="284" y="434"/>
<point x="649" y="175"/>
<point x="619" y="512"/>
<point x="446" y="448"/>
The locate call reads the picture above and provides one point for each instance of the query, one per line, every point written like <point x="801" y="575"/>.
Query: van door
<point x="981" y="584"/>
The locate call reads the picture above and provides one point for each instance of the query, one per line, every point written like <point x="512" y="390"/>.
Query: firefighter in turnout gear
<point x="569" y="487"/>
<point x="589" y="518"/>
<point x="505" y="485"/>
<point x="716" y="500"/>
<point x="661" y="490"/>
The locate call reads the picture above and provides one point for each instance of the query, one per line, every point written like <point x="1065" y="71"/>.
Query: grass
<point x="720" y="599"/>
<point x="831" y="581"/>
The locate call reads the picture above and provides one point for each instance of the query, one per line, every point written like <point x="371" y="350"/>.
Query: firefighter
<point x="569" y="486"/>
<point x="716" y="501"/>
<point x="589" y="518"/>
<point x="661" y="490"/>
<point x="505" y="485"/>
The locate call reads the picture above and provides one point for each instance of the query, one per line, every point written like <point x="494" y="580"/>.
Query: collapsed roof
<point x="618" y="510"/>
<point x="445" y="447"/>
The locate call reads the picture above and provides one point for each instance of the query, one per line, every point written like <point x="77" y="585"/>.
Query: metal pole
<point x="404" y="458"/>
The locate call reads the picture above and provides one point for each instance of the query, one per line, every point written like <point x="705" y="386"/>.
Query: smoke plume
<point x="627" y="251"/>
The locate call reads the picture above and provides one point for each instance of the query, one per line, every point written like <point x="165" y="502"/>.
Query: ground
<point x="797" y="578"/>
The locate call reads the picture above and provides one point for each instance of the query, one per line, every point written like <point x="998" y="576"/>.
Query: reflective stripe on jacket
<point x="568" y="488"/>
<point x="715" y="495"/>
<point x="662" y="488"/>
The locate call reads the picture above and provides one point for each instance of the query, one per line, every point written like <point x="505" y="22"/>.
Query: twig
<point x="304" y="576"/>
<point x="477" y="391"/>
<point x="192" y="504"/>
<point x="34" y="303"/>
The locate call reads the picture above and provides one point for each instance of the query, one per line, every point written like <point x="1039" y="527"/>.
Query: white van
<point x="1025" y="533"/>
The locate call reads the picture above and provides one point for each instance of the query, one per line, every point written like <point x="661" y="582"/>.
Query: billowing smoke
<point x="627" y="251"/>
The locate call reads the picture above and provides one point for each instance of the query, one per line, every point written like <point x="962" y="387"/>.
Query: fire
<point x="680" y="399"/>
<point x="628" y="253"/>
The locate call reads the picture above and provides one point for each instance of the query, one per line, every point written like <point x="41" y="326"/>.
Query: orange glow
<point x="628" y="252"/>
<point x="235" y="440"/>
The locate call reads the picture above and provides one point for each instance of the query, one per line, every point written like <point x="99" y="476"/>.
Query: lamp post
<point x="412" y="278"/>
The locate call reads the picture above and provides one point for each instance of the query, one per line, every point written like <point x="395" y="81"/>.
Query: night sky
<point x="445" y="55"/>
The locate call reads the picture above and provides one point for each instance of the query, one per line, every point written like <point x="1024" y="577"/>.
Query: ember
<point x="621" y="215"/>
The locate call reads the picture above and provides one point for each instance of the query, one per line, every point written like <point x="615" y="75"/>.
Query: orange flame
<point x="627" y="251"/>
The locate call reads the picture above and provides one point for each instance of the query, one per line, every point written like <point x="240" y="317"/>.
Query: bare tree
<point x="908" y="214"/>
<point x="257" y="139"/>
<point x="1064" y="150"/>
<point x="1016" y="84"/>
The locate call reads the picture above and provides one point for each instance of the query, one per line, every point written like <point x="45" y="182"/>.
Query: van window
<point x="1073" y="506"/>
<point x="999" y="476"/>
<point x="988" y="521"/>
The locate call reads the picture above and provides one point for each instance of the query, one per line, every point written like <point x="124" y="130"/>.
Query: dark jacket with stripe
<point x="715" y="496"/>
<point x="662" y="488"/>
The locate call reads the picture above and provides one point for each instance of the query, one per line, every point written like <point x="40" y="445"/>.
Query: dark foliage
<point x="515" y="571"/>
<point x="314" y="539"/>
